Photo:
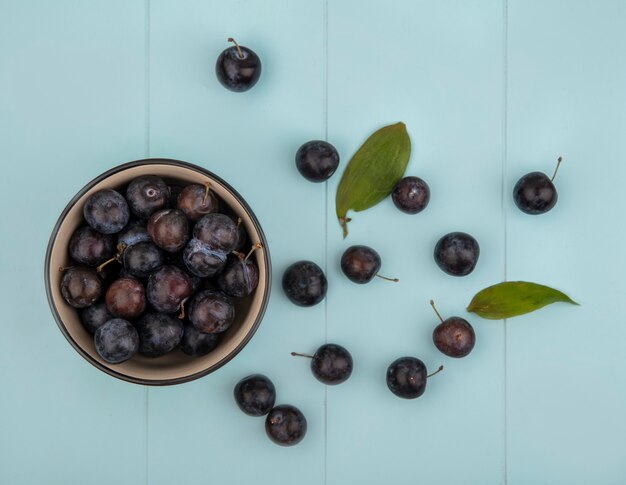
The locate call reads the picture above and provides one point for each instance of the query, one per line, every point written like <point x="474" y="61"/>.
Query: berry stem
<point x="436" y="372"/>
<point x="239" y="221"/>
<point x="118" y="257"/>
<point x="432" y="304"/>
<point x="296" y="354"/>
<point x="182" y="309"/>
<point x="207" y="185"/>
<point x="395" y="280"/>
<point x="230" y="39"/>
<point x="253" y="249"/>
<point x="64" y="268"/>
<point x="558" y="164"/>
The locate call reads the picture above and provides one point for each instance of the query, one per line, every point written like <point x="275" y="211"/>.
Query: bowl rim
<point x="85" y="354"/>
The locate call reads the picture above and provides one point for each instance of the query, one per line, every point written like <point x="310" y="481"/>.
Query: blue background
<point x="489" y="90"/>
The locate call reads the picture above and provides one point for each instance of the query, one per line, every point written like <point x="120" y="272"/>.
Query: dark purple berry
<point x="317" y="160"/>
<point x="406" y="377"/>
<point x="159" y="333"/>
<point x="211" y="312"/>
<point x="197" y="201"/>
<point x="201" y="260"/>
<point x="239" y="278"/>
<point x="167" y="288"/>
<point x="90" y="247"/>
<point x="116" y="341"/>
<point x="94" y="316"/>
<point x="106" y="211"/>
<point x="169" y="229"/>
<point x="142" y="258"/>
<point x="126" y="298"/>
<point x="238" y="68"/>
<point x="457" y="253"/>
<point x="255" y="395"/>
<point x="146" y="195"/>
<point x="218" y="231"/>
<point x="81" y="286"/>
<point x="304" y="283"/>
<point x="411" y="195"/>
<point x="285" y="425"/>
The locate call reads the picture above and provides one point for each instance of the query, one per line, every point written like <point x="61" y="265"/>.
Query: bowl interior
<point x="176" y="366"/>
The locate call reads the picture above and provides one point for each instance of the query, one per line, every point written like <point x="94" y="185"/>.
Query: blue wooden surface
<point x="489" y="89"/>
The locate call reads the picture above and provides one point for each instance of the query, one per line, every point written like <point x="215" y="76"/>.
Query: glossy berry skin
<point x="147" y="194"/>
<point x="406" y="377"/>
<point x="106" y="211"/>
<point x="142" y="258"/>
<point x="454" y="337"/>
<point x="255" y="395"/>
<point x="169" y="229"/>
<point x="159" y="334"/>
<point x="192" y="202"/>
<point x="81" y="286"/>
<point x="411" y="195"/>
<point x="94" y="316"/>
<point x="285" y="425"/>
<point x="360" y="264"/>
<point x="317" y="160"/>
<point x="457" y="253"/>
<point x="133" y="233"/>
<point x="304" y="283"/>
<point x="238" y="72"/>
<point x="535" y="193"/>
<point x="126" y="298"/>
<point x="239" y="278"/>
<point x="167" y="288"/>
<point x="218" y="231"/>
<point x="197" y="344"/>
<point x="116" y="341"/>
<point x="200" y="260"/>
<point x="211" y="311"/>
<point x="331" y="364"/>
<point x="90" y="247"/>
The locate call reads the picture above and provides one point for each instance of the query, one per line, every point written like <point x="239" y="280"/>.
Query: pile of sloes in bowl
<point x="157" y="268"/>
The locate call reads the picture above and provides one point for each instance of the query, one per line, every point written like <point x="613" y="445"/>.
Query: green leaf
<point x="373" y="171"/>
<point x="513" y="298"/>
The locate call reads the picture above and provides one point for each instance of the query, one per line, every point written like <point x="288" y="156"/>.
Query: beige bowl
<point x="175" y="367"/>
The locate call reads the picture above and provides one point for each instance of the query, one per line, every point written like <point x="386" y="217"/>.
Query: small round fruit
<point x="126" y="298"/>
<point x="285" y="425"/>
<point x="535" y="193"/>
<point x="142" y="258"/>
<point x="197" y="201"/>
<point x="169" y="229"/>
<point x="211" y="312"/>
<point x="90" y="247"/>
<point x="201" y="260"/>
<point x="218" y="231"/>
<point x="94" y="316"/>
<point x="454" y="337"/>
<point x="81" y="286"/>
<point x="317" y="160"/>
<point x="159" y="333"/>
<point x="106" y="211"/>
<point x="457" y="253"/>
<point x="331" y="364"/>
<point x="238" y="68"/>
<point x="411" y="195"/>
<point x="146" y="195"/>
<point x="196" y="343"/>
<point x="406" y="377"/>
<point x="239" y="278"/>
<point x="255" y="395"/>
<point x="361" y="263"/>
<point x="167" y="288"/>
<point x="116" y="341"/>
<point x="304" y="283"/>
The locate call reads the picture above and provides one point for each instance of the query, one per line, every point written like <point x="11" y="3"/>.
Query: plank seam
<point x="505" y="60"/>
